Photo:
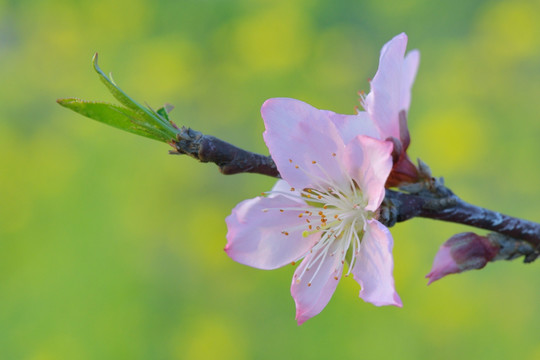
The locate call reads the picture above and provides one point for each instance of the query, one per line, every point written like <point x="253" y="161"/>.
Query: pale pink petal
<point x="463" y="252"/>
<point x="384" y="102"/>
<point x="262" y="236"/>
<point x="369" y="163"/>
<point x="350" y="126"/>
<point x="443" y="264"/>
<point x="302" y="141"/>
<point x="311" y="294"/>
<point x="374" y="266"/>
<point x="281" y="187"/>
<point x="410" y="67"/>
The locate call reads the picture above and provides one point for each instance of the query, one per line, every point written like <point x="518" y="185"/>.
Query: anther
<point x="313" y="162"/>
<point x="285" y="233"/>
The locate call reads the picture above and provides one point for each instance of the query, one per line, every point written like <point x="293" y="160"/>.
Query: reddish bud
<point x="462" y="252"/>
<point x="403" y="170"/>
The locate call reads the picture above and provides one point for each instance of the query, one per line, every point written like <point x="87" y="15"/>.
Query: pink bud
<point x="462" y="252"/>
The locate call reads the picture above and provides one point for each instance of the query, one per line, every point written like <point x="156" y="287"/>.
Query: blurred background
<point x="112" y="249"/>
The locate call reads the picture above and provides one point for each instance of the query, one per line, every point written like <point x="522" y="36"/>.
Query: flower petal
<point x="374" y="266"/>
<point x="262" y="236"/>
<point x="302" y="140"/>
<point x="281" y="187"/>
<point x="369" y="162"/>
<point x="384" y="101"/>
<point x="410" y="67"/>
<point x="311" y="294"/>
<point x="350" y="126"/>
<point x="443" y="264"/>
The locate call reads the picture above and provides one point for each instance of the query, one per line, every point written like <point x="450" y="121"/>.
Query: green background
<point x="112" y="249"/>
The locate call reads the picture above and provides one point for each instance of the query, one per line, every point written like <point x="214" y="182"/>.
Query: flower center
<point x="337" y="212"/>
<point x="340" y="220"/>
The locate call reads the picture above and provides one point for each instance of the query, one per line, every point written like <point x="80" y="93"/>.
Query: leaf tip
<point x="63" y="102"/>
<point x="95" y="62"/>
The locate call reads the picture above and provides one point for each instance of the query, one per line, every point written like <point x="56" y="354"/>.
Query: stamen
<point x="340" y="199"/>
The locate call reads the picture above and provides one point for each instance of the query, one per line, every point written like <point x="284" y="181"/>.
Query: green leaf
<point x="119" y="95"/>
<point x="165" y="110"/>
<point x="150" y="115"/>
<point x="117" y="116"/>
<point x="134" y="117"/>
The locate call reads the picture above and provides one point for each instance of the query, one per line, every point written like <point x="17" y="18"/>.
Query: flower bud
<point x="462" y="252"/>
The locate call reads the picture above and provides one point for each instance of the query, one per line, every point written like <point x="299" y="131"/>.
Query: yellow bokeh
<point x="458" y="138"/>
<point x="509" y="30"/>
<point x="210" y="337"/>
<point x="273" y="39"/>
<point x="112" y="249"/>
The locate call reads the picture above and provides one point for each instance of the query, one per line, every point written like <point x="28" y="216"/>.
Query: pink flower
<point x="462" y="252"/>
<point x="388" y="104"/>
<point x="386" y="107"/>
<point x="391" y="88"/>
<point x="324" y="211"/>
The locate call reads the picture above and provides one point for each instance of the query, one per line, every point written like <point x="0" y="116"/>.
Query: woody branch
<point x="434" y="201"/>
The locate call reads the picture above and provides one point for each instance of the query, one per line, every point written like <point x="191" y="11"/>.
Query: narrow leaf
<point x="119" y="95"/>
<point x="148" y="114"/>
<point x="117" y="116"/>
<point x="165" y="110"/>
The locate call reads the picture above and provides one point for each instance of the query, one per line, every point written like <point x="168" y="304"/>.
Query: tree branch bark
<point x="229" y="158"/>
<point x="453" y="209"/>
<point x="438" y="203"/>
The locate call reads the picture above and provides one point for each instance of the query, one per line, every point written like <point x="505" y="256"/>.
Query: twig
<point x="429" y="200"/>
<point x="230" y="159"/>
<point x="406" y="206"/>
